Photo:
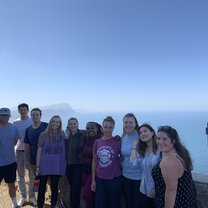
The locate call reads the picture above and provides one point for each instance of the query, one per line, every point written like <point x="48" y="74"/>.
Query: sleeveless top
<point x="185" y="194"/>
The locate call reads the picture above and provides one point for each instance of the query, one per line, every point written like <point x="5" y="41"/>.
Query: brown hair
<point x="179" y="147"/>
<point x="142" y="146"/>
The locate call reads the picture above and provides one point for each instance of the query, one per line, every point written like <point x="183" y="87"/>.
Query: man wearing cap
<point x="8" y="139"/>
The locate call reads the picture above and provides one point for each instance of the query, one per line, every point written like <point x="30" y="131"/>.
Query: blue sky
<point x="105" y="55"/>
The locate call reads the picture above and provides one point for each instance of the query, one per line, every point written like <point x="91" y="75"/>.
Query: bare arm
<point x="38" y="159"/>
<point x="94" y="160"/>
<point x="133" y="151"/>
<point x="169" y="169"/>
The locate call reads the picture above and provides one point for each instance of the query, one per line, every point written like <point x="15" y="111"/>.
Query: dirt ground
<point x="5" y="200"/>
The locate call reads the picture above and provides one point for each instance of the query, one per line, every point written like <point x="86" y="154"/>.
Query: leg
<point x="146" y="202"/>
<point x="9" y="173"/>
<point x="12" y="190"/>
<point x="41" y="191"/>
<point x="21" y="174"/>
<point x="88" y="195"/>
<point x="54" y="189"/>
<point x="101" y="193"/>
<point x="136" y="193"/>
<point x="127" y="191"/>
<point x="114" y="192"/>
<point x="31" y="181"/>
<point x="75" y="182"/>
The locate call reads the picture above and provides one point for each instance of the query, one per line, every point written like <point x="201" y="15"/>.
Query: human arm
<point x="134" y="153"/>
<point x="38" y="160"/>
<point x="169" y="170"/>
<point x="94" y="161"/>
<point x="152" y="193"/>
<point x="38" y="155"/>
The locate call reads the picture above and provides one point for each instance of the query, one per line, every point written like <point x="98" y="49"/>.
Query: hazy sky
<point x="105" y="55"/>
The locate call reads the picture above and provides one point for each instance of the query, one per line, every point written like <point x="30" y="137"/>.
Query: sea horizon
<point x="190" y="125"/>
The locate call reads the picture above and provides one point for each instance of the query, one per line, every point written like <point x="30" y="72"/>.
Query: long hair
<point x="130" y="115"/>
<point x="49" y="131"/>
<point x="68" y="129"/>
<point x="179" y="147"/>
<point x="142" y="146"/>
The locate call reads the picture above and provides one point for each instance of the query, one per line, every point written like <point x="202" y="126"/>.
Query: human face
<point x="73" y="126"/>
<point x="164" y="142"/>
<point x="55" y="123"/>
<point x="35" y="115"/>
<point x="23" y="111"/>
<point x="129" y="124"/>
<point x="145" y="134"/>
<point x="108" y="128"/>
<point x="91" y="130"/>
<point x="4" y="119"/>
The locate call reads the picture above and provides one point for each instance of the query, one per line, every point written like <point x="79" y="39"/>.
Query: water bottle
<point x="36" y="183"/>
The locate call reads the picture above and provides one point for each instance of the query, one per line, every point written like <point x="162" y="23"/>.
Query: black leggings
<point x="74" y="176"/>
<point x="54" y="180"/>
<point x="131" y="193"/>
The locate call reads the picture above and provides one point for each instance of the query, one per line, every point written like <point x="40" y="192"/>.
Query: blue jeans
<point x="108" y="193"/>
<point x="21" y="176"/>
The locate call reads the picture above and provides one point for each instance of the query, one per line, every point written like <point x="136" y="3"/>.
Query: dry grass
<point x="5" y="201"/>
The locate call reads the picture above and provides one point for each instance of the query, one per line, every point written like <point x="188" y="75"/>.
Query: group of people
<point x="142" y="168"/>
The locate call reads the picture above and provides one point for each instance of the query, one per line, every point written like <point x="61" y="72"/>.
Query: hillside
<point x="62" y="109"/>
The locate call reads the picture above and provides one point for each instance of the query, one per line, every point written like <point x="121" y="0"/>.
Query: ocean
<point x="190" y="126"/>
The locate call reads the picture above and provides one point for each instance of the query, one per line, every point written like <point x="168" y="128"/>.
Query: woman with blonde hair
<point x="131" y="174"/>
<point x="51" y="159"/>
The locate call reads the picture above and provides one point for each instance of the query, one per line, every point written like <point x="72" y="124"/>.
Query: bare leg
<point x="12" y="190"/>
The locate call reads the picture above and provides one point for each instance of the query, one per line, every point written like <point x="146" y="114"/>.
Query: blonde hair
<point x="49" y="132"/>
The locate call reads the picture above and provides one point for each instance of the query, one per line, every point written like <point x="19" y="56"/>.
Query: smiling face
<point x="55" y="123"/>
<point x="4" y="119"/>
<point x="73" y="125"/>
<point x="129" y="124"/>
<point x="165" y="143"/>
<point x="91" y="130"/>
<point x="23" y="111"/>
<point x="145" y="134"/>
<point x="36" y="116"/>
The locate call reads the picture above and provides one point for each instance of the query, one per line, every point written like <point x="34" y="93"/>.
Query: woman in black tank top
<point x="174" y="186"/>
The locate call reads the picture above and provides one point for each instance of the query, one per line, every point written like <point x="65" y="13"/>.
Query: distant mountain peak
<point x="62" y="109"/>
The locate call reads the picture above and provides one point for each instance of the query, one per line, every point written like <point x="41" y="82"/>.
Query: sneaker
<point x="22" y="202"/>
<point x="13" y="206"/>
<point x="33" y="201"/>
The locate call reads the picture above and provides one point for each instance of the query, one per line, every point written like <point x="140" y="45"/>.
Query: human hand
<point x="152" y="194"/>
<point x="93" y="186"/>
<point x="27" y="165"/>
<point x="135" y="142"/>
<point x="117" y="138"/>
<point x="37" y="171"/>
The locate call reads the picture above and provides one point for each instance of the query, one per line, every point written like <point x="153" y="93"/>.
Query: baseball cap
<point x="5" y="111"/>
